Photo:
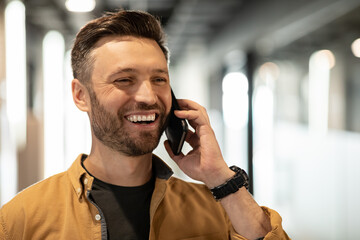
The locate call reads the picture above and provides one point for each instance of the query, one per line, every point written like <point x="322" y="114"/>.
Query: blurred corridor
<point x="280" y="80"/>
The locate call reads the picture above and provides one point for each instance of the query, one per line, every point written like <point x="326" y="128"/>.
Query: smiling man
<point x="121" y="190"/>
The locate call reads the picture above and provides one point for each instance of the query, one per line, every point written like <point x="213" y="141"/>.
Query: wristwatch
<point x="239" y="180"/>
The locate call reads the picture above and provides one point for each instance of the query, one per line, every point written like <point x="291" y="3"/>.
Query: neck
<point x="118" y="169"/>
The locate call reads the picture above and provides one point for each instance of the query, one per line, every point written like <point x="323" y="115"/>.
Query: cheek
<point x="115" y="101"/>
<point x="166" y="99"/>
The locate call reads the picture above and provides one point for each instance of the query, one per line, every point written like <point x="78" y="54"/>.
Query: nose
<point x="145" y="93"/>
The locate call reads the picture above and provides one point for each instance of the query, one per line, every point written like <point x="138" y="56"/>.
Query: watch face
<point x="244" y="176"/>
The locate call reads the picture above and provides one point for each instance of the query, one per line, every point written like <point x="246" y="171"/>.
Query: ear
<point x="80" y="95"/>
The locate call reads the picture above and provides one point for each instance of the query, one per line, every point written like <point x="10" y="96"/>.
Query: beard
<point x="110" y="130"/>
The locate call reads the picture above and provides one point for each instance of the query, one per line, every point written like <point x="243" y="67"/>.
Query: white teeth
<point x="139" y="118"/>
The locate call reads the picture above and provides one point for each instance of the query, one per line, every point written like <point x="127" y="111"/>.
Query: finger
<point x="193" y="139"/>
<point x="187" y="104"/>
<point x="189" y="118"/>
<point x="197" y="116"/>
<point x="184" y="115"/>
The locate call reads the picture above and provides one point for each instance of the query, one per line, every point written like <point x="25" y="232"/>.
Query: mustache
<point x="144" y="106"/>
<point x="141" y="106"/>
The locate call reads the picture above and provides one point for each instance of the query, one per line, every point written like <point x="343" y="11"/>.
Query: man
<point x="121" y="190"/>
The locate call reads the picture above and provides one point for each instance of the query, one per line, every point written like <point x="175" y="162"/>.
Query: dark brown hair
<point x="121" y="23"/>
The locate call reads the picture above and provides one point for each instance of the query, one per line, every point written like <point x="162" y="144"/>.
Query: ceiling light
<point x="355" y="48"/>
<point x="324" y="58"/>
<point x="80" y="5"/>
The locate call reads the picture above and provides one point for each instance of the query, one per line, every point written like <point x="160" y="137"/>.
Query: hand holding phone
<point x="176" y="129"/>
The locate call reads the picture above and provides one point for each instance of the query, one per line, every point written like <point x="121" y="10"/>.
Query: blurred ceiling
<point x="266" y="24"/>
<point x="184" y="20"/>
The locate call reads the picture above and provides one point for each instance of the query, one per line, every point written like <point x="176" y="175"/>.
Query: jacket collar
<point x="81" y="180"/>
<point x="161" y="169"/>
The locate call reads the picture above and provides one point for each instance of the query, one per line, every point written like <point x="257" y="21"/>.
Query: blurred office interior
<point x="280" y="80"/>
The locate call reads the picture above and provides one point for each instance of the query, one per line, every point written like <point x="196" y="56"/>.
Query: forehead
<point x="127" y="51"/>
<point x="125" y="44"/>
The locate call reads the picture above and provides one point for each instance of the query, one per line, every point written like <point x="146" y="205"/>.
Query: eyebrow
<point x="133" y="70"/>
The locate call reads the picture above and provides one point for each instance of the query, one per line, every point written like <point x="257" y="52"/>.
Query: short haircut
<point x="121" y="23"/>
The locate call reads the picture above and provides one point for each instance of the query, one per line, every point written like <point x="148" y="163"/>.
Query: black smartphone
<point x="176" y="129"/>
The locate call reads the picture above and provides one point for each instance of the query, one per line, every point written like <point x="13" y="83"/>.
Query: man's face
<point x="130" y="95"/>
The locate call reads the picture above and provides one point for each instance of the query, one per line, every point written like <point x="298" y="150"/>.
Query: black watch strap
<point x="239" y="180"/>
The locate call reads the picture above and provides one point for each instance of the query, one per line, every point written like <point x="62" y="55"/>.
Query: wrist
<point x="219" y="178"/>
<point x="238" y="180"/>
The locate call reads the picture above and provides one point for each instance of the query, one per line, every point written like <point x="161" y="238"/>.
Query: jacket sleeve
<point x="12" y="220"/>
<point x="2" y="226"/>
<point x="276" y="233"/>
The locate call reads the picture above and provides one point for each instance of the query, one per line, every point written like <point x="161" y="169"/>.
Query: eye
<point x="160" y="80"/>
<point x="123" y="81"/>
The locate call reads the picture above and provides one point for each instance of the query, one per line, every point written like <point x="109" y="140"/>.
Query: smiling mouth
<point x="142" y="119"/>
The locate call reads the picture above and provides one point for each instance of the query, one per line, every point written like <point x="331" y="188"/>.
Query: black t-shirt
<point x="126" y="209"/>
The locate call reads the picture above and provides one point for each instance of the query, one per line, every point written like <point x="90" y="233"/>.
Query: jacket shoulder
<point x="40" y="190"/>
<point x="27" y="203"/>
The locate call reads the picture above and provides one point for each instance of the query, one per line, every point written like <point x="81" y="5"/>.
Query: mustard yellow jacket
<point x="59" y="208"/>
